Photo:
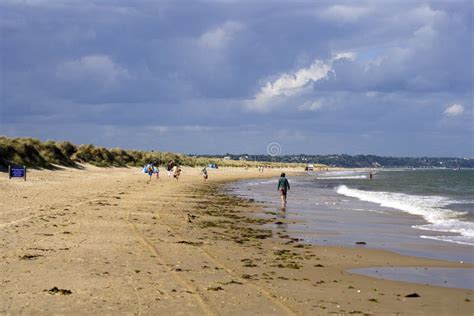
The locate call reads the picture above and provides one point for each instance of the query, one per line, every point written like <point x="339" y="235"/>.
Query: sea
<point x="425" y="212"/>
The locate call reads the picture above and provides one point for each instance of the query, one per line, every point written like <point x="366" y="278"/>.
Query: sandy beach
<point x="104" y="241"/>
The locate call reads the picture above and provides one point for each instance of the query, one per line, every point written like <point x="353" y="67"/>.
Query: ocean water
<point x="427" y="213"/>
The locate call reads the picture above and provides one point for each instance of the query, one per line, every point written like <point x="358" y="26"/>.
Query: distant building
<point x="227" y="158"/>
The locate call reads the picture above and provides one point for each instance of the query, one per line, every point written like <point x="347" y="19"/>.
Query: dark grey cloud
<point x="215" y="76"/>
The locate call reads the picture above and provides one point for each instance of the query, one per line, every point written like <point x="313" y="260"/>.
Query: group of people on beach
<point x="172" y="168"/>
<point x="153" y="168"/>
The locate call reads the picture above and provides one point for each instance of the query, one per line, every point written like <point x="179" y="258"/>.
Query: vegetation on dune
<point x="36" y="154"/>
<point x="33" y="153"/>
<point x="22" y="151"/>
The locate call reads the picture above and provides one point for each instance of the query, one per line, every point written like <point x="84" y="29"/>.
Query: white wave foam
<point x="342" y="172"/>
<point x="428" y="207"/>
<point x="342" y="177"/>
<point x="369" y="210"/>
<point x="254" y="183"/>
<point x="463" y="240"/>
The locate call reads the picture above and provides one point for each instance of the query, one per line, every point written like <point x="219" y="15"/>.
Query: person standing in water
<point x="283" y="187"/>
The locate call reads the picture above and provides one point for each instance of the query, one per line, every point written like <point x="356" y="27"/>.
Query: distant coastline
<point x="356" y="161"/>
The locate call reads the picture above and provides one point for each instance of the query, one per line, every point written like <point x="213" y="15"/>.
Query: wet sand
<point x="105" y="241"/>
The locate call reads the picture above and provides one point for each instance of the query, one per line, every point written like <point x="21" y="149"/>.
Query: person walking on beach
<point x="176" y="172"/>
<point x="156" y="170"/>
<point x="170" y="167"/>
<point x="283" y="187"/>
<point x="149" y="169"/>
<point x="204" y="173"/>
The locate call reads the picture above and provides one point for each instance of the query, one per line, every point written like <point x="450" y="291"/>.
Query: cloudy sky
<point x="379" y="77"/>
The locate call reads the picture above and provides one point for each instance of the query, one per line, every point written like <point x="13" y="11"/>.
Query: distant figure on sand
<point x="176" y="172"/>
<point x="149" y="169"/>
<point x="169" y="167"/>
<point x="283" y="187"/>
<point x="157" y="172"/>
<point x="204" y="173"/>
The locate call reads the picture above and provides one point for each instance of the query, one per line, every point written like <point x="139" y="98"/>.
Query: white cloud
<point x="371" y="94"/>
<point x="345" y="13"/>
<point x="28" y="2"/>
<point x="426" y="13"/>
<point x="196" y="128"/>
<point x="454" y="110"/>
<point x="181" y="128"/>
<point x="96" y="67"/>
<point x="311" y="106"/>
<point x="159" y="129"/>
<point x="288" y="84"/>
<point x="345" y="55"/>
<point x="292" y="84"/>
<point x="219" y="37"/>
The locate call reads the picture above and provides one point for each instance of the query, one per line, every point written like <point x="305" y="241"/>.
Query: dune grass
<point x="33" y="153"/>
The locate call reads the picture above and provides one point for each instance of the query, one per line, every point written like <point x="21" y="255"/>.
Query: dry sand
<point x="104" y="241"/>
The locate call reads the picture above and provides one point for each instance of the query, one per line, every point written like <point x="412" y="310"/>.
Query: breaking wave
<point x="431" y="208"/>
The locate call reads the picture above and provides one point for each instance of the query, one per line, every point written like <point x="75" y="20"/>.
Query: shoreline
<point x="319" y="211"/>
<point x="122" y="246"/>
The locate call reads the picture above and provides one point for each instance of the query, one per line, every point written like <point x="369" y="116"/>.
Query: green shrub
<point x="54" y="155"/>
<point x="34" y="153"/>
<point x="67" y="148"/>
